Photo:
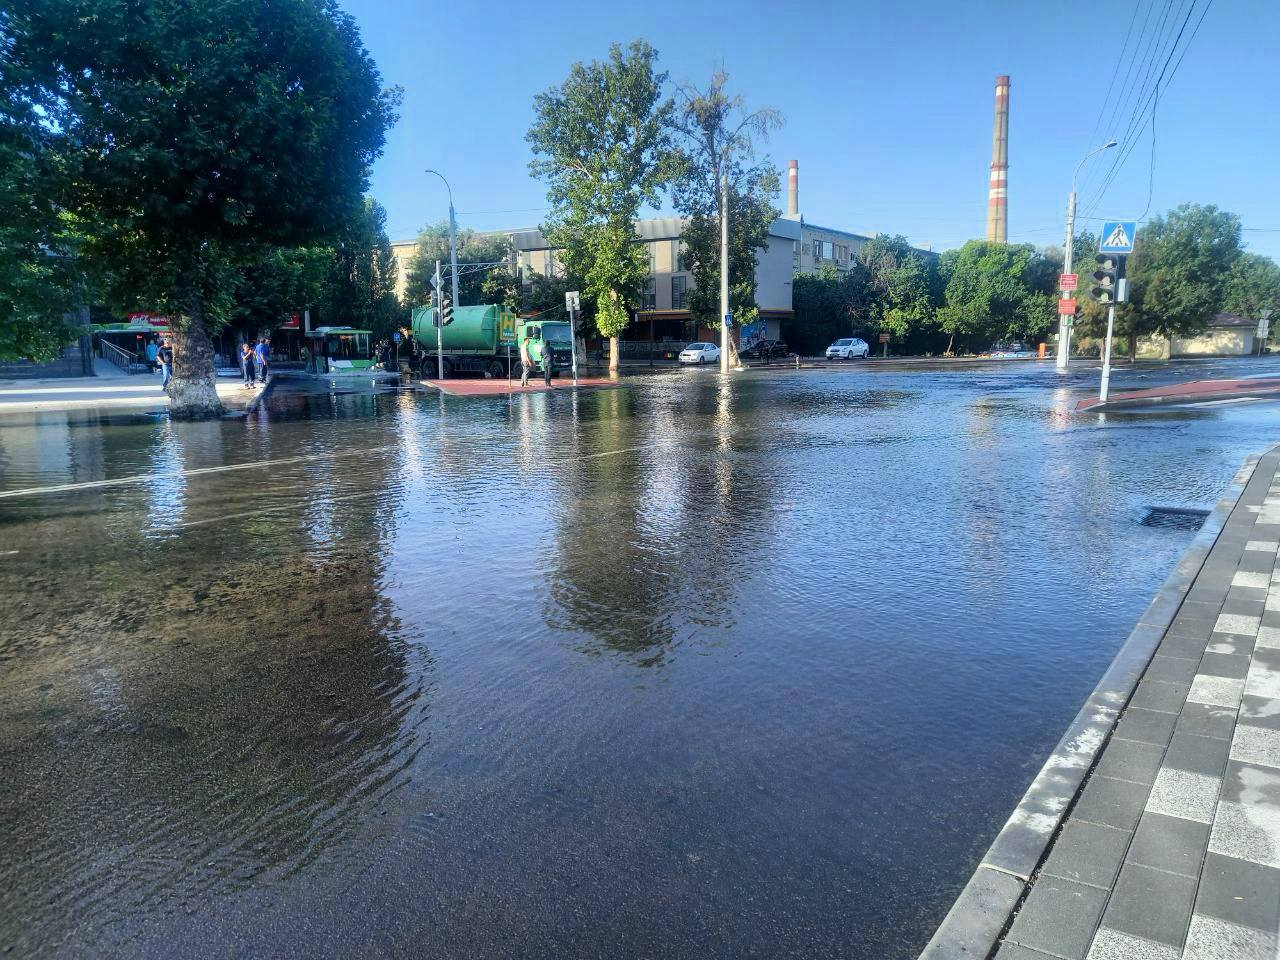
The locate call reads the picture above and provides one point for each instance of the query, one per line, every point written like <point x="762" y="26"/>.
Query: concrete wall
<point x="810" y="254"/>
<point x="774" y="272"/>
<point x="1215" y="342"/>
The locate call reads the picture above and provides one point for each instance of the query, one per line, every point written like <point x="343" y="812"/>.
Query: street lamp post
<point x="724" y="268"/>
<point x="1064" y="320"/>
<point x="453" y="239"/>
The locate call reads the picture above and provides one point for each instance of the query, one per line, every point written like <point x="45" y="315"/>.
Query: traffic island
<point x="1153" y="830"/>
<point x="1194" y="391"/>
<point x="492" y="388"/>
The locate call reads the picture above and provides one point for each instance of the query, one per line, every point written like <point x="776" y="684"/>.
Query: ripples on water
<point x="691" y="668"/>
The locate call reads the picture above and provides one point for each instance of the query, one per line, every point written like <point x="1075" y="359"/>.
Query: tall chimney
<point x="998" y="191"/>
<point x="793" y="190"/>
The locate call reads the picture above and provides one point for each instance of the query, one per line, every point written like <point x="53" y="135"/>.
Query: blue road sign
<point x="396" y="336"/>
<point x="728" y="319"/>
<point x="1117" y="236"/>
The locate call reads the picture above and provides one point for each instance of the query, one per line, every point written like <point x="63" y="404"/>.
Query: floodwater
<point x="693" y="668"/>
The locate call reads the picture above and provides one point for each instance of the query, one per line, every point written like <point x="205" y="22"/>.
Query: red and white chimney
<point x="793" y="189"/>
<point x="998" y="187"/>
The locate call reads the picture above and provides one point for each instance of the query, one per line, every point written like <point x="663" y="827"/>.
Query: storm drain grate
<point x="1175" y="518"/>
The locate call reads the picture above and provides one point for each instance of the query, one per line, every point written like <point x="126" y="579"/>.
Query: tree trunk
<point x="1133" y="348"/>
<point x="614" y="358"/>
<point x="950" y="344"/>
<point x="192" y="390"/>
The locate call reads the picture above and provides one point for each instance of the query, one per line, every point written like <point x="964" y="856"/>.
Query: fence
<point x="76" y="361"/>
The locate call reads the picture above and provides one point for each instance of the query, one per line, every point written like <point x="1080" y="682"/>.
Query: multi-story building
<point x="664" y="308"/>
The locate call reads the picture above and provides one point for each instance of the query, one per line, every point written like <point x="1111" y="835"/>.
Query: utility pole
<point x="439" y="326"/>
<point x="724" y="264"/>
<point x="1066" y="321"/>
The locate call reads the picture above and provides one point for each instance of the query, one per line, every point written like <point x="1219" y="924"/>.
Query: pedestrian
<point x="165" y="355"/>
<point x="262" y="355"/>
<point x="526" y="362"/>
<point x="548" y="361"/>
<point x="153" y="351"/>
<point x="247" y="364"/>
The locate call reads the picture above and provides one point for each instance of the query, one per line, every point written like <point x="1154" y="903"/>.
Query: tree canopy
<point x="195" y="138"/>
<point x="602" y="143"/>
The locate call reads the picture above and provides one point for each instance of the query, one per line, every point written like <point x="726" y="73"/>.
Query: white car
<point x="848" y="348"/>
<point x="700" y="353"/>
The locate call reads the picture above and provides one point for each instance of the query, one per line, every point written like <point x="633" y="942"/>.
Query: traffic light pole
<point x="440" y="325"/>
<point x="1064" y="321"/>
<point x="1106" y="353"/>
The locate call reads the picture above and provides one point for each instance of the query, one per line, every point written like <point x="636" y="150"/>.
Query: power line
<point x="1153" y="98"/>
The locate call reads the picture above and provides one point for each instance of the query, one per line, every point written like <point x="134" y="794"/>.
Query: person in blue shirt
<point x="262" y="353"/>
<point x="153" y="351"/>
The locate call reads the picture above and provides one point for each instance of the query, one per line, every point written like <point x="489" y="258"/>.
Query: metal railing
<point x="123" y="359"/>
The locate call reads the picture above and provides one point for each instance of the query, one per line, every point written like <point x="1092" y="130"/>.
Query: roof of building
<point x="1231" y="320"/>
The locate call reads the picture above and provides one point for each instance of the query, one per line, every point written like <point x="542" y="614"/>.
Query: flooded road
<point x="693" y="668"/>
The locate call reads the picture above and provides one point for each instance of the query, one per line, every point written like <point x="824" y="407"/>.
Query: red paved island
<point x="1193" y="391"/>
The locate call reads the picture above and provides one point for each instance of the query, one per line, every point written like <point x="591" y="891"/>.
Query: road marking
<point x="182" y="474"/>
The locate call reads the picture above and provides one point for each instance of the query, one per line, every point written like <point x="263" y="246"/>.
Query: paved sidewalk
<point x="73" y="393"/>
<point x="1172" y="848"/>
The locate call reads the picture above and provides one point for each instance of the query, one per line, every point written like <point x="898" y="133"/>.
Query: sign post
<point x="1264" y="329"/>
<point x="435" y="294"/>
<point x="1117" y="240"/>
<point x="572" y="303"/>
<point x="884" y="345"/>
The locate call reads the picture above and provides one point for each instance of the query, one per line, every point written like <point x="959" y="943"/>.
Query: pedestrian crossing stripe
<point x="1118" y="237"/>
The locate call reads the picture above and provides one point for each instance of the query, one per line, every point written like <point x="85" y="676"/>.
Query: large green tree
<point x="602" y="143"/>
<point x="38" y="276"/>
<point x="902" y="288"/>
<point x="1253" y="286"/>
<point x="359" y="288"/>
<point x="995" y="291"/>
<point x="474" y="249"/>
<point x="718" y="137"/>
<point x="1179" y="272"/>
<point x="195" y="138"/>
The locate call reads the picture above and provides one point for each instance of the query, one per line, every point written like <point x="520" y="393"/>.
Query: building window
<point x="551" y="263"/>
<point x="649" y="295"/>
<point x="675" y="255"/>
<point x="653" y="257"/>
<point x="677" y="293"/>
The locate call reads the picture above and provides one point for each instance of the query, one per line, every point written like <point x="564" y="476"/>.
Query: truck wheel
<point x="448" y="369"/>
<point x="496" y="371"/>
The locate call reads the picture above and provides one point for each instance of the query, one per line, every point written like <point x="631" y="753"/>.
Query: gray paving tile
<point x="1191" y="648"/>
<point x="1220" y="664"/>
<point x="1146" y="725"/>
<point x="1058" y="917"/>
<point x="1151" y="904"/>
<point x="1181" y="793"/>
<point x="1213" y="939"/>
<point x="1131" y="760"/>
<point x="1013" y="951"/>
<point x="1240" y="607"/>
<point x="1242" y="893"/>
<point x="1264" y="674"/>
<point x="1238" y="623"/>
<point x="1258" y="745"/>
<point x="1247" y="823"/>
<point x="1170" y="843"/>
<point x="1206" y="720"/>
<point x="1111" y="944"/>
<point x="1112" y="803"/>
<point x="1206" y="755"/>
<point x="1158" y="695"/>
<point x="1172" y="669"/>
<point x="1088" y="853"/>
<point x="1219" y="691"/>
<point x="1231" y="643"/>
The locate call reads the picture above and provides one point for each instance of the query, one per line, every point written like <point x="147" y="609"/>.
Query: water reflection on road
<point x="698" y="667"/>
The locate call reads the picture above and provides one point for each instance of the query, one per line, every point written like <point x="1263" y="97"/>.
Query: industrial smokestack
<point x="793" y="190"/>
<point x="998" y="192"/>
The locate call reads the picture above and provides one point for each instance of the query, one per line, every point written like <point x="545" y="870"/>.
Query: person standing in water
<point x="247" y="364"/>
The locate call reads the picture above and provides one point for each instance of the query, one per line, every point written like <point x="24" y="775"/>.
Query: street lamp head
<point x="1109" y="144"/>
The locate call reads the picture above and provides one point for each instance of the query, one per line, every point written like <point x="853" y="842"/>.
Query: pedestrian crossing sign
<point x="1117" y="236"/>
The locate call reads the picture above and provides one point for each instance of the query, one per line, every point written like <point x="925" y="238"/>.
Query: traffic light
<point x="1106" y="279"/>
<point x="446" y="312"/>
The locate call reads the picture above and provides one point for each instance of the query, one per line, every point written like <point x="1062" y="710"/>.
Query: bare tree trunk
<point x="192" y="389"/>
<point x="1133" y="348"/>
<point x="615" y="351"/>
<point x="950" y="344"/>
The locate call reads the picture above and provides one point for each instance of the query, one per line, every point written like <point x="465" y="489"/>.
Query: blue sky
<point x="888" y="105"/>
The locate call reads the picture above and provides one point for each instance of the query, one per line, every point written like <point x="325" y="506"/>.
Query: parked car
<point x="700" y="353"/>
<point x="848" y="348"/>
<point x="765" y="350"/>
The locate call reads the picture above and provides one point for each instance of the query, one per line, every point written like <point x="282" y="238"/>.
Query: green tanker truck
<point x="486" y="338"/>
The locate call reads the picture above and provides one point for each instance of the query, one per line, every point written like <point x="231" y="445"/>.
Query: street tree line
<point x="205" y="161"/>
<point x="1188" y="265"/>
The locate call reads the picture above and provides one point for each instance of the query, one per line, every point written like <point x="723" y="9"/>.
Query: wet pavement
<point x="694" y="668"/>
